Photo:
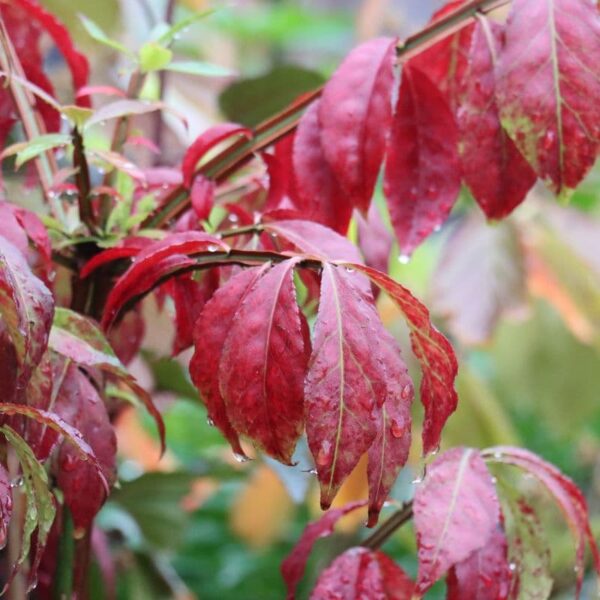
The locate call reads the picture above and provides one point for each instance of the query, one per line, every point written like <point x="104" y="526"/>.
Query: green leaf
<point x="197" y="67"/>
<point x="78" y="115"/>
<point x="143" y="209"/>
<point x="166" y="37"/>
<point x="40" y="510"/>
<point x="97" y="34"/>
<point x="154" y="57"/>
<point x="26" y="151"/>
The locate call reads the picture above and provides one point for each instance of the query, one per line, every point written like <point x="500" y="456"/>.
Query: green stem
<point x="63" y="582"/>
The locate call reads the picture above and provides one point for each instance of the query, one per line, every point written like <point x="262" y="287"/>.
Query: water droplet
<point x="406" y="392"/>
<point x="349" y="270"/>
<point x="417" y="480"/>
<point x="212" y="248"/>
<point x="240" y="457"/>
<point x="233" y="218"/>
<point x="437" y="228"/>
<point x="312" y="471"/>
<point x="497" y="455"/>
<point x="404" y="259"/>
<point x="210" y="422"/>
<point x="324" y="454"/>
<point x="79" y="533"/>
<point x="512" y="566"/>
<point x="69" y="463"/>
<point x="397" y="429"/>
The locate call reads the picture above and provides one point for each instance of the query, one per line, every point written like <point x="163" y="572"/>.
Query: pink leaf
<point x="292" y="568"/>
<point x="422" y="174"/>
<point x="210" y="332"/>
<point x="456" y="512"/>
<point x="549" y="70"/>
<point x="263" y="363"/>
<point x="438" y="361"/>
<point x="204" y="142"/>
<point x="493" y="168"/>
<point x="360" y="573"/>
<point x="355" y="113"/>
<point x="348" y="377"/>
<point x="202" y="196"/>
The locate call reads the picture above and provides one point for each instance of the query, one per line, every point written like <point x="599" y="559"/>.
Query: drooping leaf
<point x="456" y="512"/>
<point x="204" y="142"/>
<point x="127" y="248"/>
<point x="485" y="575"/>
<point x="292" y="568"/>
<point x="422" y="173"/>
<point x="77" y="338"/>
<point x="202" y="196"/>
<point x="318" y="195"/>
<point x="433" y="351"/>
<point x="6" y="505"/>
<point x="26" y="151"/>
<point x="355" y="114"/>
<point x="152" y="263"/>
<point x="549" y="69"/>
<point x="566" y="494"/>
<point x="96" y="33"/>
<point x="40" y="507"/>
<point x="26" y="307"/>
<point x="479" y="278"/>
<point x="84" y="491"/>
<point x="360" y="573"/>
<point x="493" y="168"/>
<point x="210" y="333"/>
<point x="348" y="377"/>
<point x="263" y="364"/>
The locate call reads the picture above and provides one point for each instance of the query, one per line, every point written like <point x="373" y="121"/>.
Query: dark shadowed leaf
<point x="360" y="573"/>
<point x="5" y="504"/>
<point x="292" y="568"/>
<point x="263" y="364"/>
<point x="433" y="351"/>
<point x="422" y="174"/>
<point x="348" y="377"/>
<point x="456" y="512"/>
<point x="355" y="113"/>
<point x="549" y="69"/>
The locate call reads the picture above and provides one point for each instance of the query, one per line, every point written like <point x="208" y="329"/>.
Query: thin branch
<point x="270" y="131"/>
<point x="382" y="534"/>
<point x="82" y="180"/>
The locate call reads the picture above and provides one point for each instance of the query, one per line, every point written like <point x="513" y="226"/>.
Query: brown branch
<point x="382" y="534"/>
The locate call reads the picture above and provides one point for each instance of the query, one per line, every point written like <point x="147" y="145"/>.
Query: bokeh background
<point x="520" y="300"/>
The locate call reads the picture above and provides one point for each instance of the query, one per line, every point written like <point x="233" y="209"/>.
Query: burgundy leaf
<point x="126" y="336"/>
<point x="456" y="512"/>
<point x="485" y="575"/>
<point x="81" y="405"/>
<point x="210" y="332"/>
<point x="128" y="248"/>
<point x="318" y="194"/>
<point x="292" y="568"/>
<point x="26" y="307"/>
<point x="278" y="182"/>
<point x="422" y="174"/>
<point x="204" y="142"/>
<point x="567" y="495"/>
<point x="549" y="70"/>
<point x="360" y="573"/>
<point x="435" y="354"/>
<point x="389" y="451"/>
<point x="263" y="364"/>
<point x="154" y="262"/>
<point x="355" y="113"/>
<point x="480" y="278"/>
<point x="493" y="168"/>
<point x="5" y="504"/>
<point x="202" y="196"/>
<point x="348" y="377"/>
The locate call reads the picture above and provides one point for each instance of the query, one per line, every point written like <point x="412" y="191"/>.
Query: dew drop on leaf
<point x="212" y="248"/>
<point x="240" y="457"/>
<point x="404" y="259"/>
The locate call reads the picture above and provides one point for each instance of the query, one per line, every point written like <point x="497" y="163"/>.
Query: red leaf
<point x="438" y="361"/>
<point x="202" y="196"/>
<point x="204" y="142"/>
<point x="153" y="263"/>
<point x="263" y="362"/>
<point x="79" y="403"/>
<point x="389" y="451"/>
<point x="26" y="307"/>
<point x="493" y="168"/>
<point x="318" y="194"/>
<point x="127" y="248"/>
<point x="127" y="335"/>
<point x="422" y="174"/>
<point x="348" y="377"/>
<point x="210" y="333"/>
<point x="567" y="495"/>
<point x="456" y="511"/>
<point x="446" y="62"/>
<point x="5" y="504"/>
<point x="278" y="182"/>
<point x="360" y="573"/>
<point x="548" y="76"/>
<point x="485" y="575"/>
<point x="77" y="62"/>
<point x="355" y="113"/>
<point x="292" y="568"/>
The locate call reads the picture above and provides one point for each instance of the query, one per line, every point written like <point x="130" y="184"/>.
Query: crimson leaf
<point x="5" y="504"/>
<point x="456" y="512"/>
